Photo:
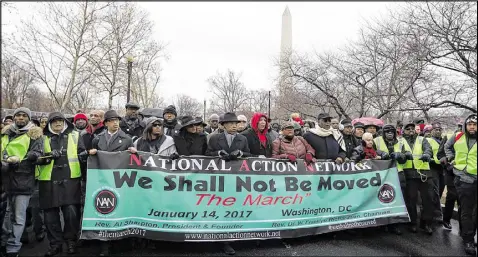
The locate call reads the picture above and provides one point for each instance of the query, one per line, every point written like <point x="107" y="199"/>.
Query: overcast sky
<point x="206" y="37"/>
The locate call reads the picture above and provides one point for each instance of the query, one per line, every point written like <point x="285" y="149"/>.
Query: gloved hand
<point x="409" y="156"/>
<point x="444" y="161"/>
<point x="13" y="160"/>
<point x="339" y="160"/>
<point x="425" y="158"/>
<point x="292" y="158"/>
<point x="55" y="154"/>
<point x="174" y="156"/>
<point x="31" y="156"/>
<point x="235" y="154"/>
<point x="224" y="155"/>
<point x="309" y="158"/>
<point x="385" y="156"/>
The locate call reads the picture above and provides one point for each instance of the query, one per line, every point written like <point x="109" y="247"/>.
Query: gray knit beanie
<point x="25" y="110"/>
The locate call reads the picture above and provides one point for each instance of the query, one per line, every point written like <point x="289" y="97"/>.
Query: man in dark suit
<point x="228" y="145"/>
<point x="112" y="139"/>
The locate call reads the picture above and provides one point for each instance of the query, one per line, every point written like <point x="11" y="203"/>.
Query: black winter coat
<point x="326" y="148"/>
<point x="119" y="142"/>
<point x="61" y="190"/>
<point x="190" y="144"/>
<point x="20" y="180"/>
<point x="218" y="142"/>
<point x="255" y="145"/>
<point x="132" y="128"/>
<point x="350" y="143"/>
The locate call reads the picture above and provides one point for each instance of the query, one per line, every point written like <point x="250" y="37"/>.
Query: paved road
<point x="371" y="242"/>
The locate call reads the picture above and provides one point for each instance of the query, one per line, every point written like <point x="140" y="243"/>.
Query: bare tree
<point x="146" y="76"/>
<point x="56" y="44"/>
<point x="451" y="28"/>
<point x="186" y="105"/>
<point x="126" y="30"/>
<point x="16" y="82"/>
<point x="229" y="93"/>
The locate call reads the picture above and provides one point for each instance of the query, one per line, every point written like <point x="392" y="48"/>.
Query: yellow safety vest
<point x="465" y="158"/>
<point x="417" y="153"/>
<point x="382" y="146"/>
<point x="435" y="147"/>
<point x="17" y="147"/>
<point x="72" y="154"/>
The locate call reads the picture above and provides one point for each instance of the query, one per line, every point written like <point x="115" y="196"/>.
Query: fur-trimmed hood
<point x="32" y="131"/>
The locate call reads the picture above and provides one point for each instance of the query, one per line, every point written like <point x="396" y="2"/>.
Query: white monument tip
<point x="286" y="11"/>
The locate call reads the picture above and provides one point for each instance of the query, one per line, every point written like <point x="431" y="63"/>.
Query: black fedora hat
<point x="229" y="117"/>
<point x="188" y="121"/>
<point x="111" y="114"/>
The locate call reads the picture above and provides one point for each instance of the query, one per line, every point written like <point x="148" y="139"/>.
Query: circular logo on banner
<point x="105" y="201"/>
<point x="386" y="194"/>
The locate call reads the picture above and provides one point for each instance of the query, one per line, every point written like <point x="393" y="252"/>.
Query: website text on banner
<point x="207" y="199"/>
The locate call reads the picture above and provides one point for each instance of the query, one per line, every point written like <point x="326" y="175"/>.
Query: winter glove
<point x="339" y="160"/>
<point x="444" y="161"/>
<point x="13" y="160"/>
<point x="223" y="155"/>
<point x="425" y="158"/>
<point x="385" y="156"/>
<point x="292" y="158"/>
<point x="236" y="154"/>
<point x="309" y="158"/>
<point x="31" y="156"/>
<point x="174" y="156"/>
<point x="409" y="156"/>
<point x="55" y="154"/>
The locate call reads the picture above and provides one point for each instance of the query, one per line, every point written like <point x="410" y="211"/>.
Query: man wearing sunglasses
<point x="154" y="140"/>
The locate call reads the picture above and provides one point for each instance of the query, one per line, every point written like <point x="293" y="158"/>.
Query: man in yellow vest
<point x="460" y="151"/>
<point x="437" y="169"/>
<point x="21" y="146"/>
<point x="396" y="148"/>
<point x="419" y="178"/>
<point x="60" y="182"/>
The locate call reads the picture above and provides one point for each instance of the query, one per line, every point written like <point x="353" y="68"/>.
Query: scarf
<point x="262" y="136"/>
<point x="90" y="129"/>
<point x="15" y="129"/>
<point x="370" y="153"/>
<point x="321" y="132"/>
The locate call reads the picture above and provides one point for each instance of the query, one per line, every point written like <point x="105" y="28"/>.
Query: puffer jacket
<point x="281" y="148"/>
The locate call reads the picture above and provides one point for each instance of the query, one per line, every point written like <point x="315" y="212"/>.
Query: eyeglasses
<point x="157" y="125"/>
<point x="327" y="120"/>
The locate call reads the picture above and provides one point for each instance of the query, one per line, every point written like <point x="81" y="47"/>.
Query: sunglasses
<point x="327" y="120"/>
<point x="157" y="125"/>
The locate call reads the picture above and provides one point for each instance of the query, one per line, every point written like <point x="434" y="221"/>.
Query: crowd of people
<point x="44" y="162"/>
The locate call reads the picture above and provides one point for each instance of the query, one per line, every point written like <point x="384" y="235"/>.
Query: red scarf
<point x="370" y="153"/>
<point x="90" y="129"/>
<point x="261" y="135"/>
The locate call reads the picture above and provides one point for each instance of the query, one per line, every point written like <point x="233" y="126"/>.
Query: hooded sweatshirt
<point x="163" y="145"/>
<point x="450" y="153"/>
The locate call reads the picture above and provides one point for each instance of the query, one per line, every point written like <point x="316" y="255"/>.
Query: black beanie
<point x="170" y="109"/>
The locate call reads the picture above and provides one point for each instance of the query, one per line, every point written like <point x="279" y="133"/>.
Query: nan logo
<point x="386" y="194"/>
<point x="105" y="202"/>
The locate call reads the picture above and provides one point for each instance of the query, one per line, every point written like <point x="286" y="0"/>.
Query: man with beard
<point x="80" y="121"/>
<point x="213" y="123"/>
<point x="21" y="147"/>
<point x="397" y="151"/>
<point x="358" y="131"/>
<point x="131" y="124"/>
<point x="327" y="142"/>
<point x="436" y="167"/>
<point x="170" y="126"/>
<point x="349" y="139"/>
<point x="60" y="182"/>
<point x="419" y="178"/>
<point x="461" y="153"/>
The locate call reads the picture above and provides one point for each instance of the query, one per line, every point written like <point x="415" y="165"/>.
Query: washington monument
<point x="285" y="52"/>
<point x="286" y="36"/>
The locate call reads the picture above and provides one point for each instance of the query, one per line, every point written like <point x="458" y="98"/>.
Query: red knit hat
<point x="80" y="116"/>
